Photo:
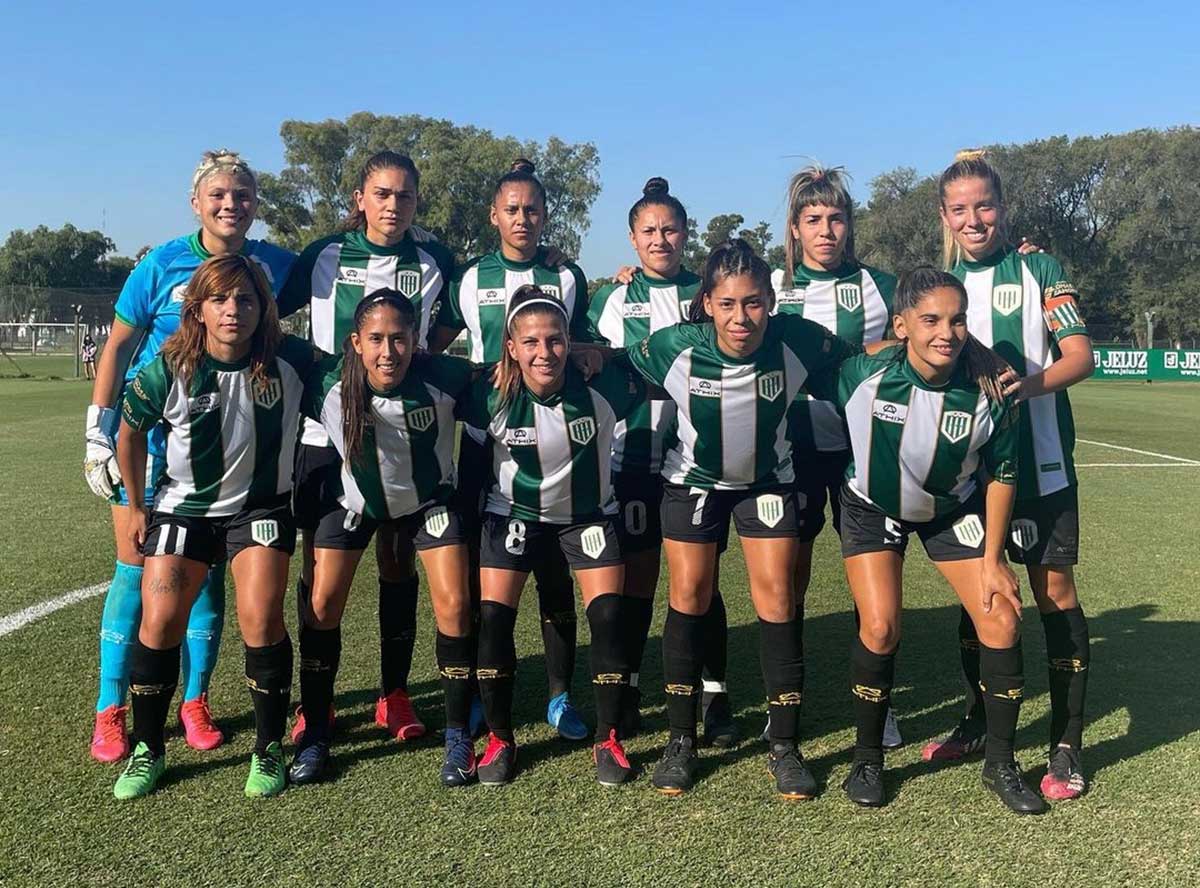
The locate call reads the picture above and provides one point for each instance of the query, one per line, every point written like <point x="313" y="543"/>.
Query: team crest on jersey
<point x="956" y="425"/>
<point x="354" y="277"/>
<point x="1024" y="533"/>
<point x="265" y="531"/>
<point x="968" y="530"/>
<point x="849" y="296"/>
<point x="593" y="542"/>
<point x="790" y="297"/>
<point x="421" y="418"/>
<point x="703" y="388"/>
<point x="636" y="310"/>
<point x="551" y="290"/>
<point x="770" y="385"/>
<point x="770" y="508"/>
<point x="267" y="394"/>
<point x="491" y="297"/>
<point x="581" y="430"/>
<point x="1007" y="298"/>
<point x="206" y="403"/>
<point x="177" y="293"/>
<point x="408" y="282"/>
<point x="890" y="411"/>
<point x="521" y="437"/>
<point x="437" y="520"/>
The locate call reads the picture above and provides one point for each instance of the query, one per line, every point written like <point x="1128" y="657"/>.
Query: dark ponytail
<point x="356" y="219"/>
<point x="733" y="258"/>
<point x="356" y="396"/>
<point x="982" y="364"/>
<point x="521" y="170"/>
<point x="657" y="193"/>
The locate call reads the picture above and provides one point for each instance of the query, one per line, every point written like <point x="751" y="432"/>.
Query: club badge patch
<point x="582" y="430"/>
<point x="1007" y="298"/>
<point x="593" y="542"/>
<point x="267" y="394"/>
<point x="770" y="385"/>
<point x="968" y="530"/>
<point x="437" y="520"/>
<point x="408" y="282"/>
<point x="770" y="508"/>
<point x="264" y="531"/>
<point x="956" y="425"/>
<point x="1024" y="533"/>
<point x="849" y="296"/>
<point x="420" y="419"/>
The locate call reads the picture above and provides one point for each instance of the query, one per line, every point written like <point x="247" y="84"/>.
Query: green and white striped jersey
<point x="916" y="447"/>
<point x="855" y="302"/>
<point x="407" y="458"/>
<point x="334" y="273"/>
<point x="552" y="458"/>
<point x="732" y="412"/>
<point x="1023" y="306"/>
<point x="621" y="315"/>
<point x="230" y="439"/>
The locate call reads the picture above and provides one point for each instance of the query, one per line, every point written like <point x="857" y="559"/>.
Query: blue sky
<point x="106" y="107"/>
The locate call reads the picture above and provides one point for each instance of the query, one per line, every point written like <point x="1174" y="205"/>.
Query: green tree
<point x="64" y="257"/>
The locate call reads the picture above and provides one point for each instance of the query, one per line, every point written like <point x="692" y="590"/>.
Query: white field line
<point x="1194" y="465"/>
<point x="1178" y="459"/>
<point x="23" y="618"/>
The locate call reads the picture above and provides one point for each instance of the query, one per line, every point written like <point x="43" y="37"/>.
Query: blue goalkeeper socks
<point x="118" y="632"/>
<point x="203" y="639"/>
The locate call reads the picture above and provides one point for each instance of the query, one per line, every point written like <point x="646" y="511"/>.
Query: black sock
<point x="715" y="648"/>
<point x="636" y="616"/>
<point x="269" y="678"/>
<point x="682" y="652"/>
<point x="968" y="652"/>
<point x="1003" y="684"/>
<point x="320" y="654"/>
<point x="153" y="676"/>
<point x="556" y="604"/>
<point x="497" y="666"/>
<point x="454" y="666"/>
<point x="781" y="653"/>
<point x="303" y="600"/>
<point x="397" y="631"/>
<point x="610" y="674"/>
<point x="1068" y="651"/>
<point x="871" y="677"/>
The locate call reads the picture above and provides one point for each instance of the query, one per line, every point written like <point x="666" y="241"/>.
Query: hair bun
<point x="656" y="187"/>
<point x="522" y="165"/>
<point x="970" y="154"/>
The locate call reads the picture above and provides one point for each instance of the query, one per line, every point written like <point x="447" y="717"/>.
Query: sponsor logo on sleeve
<point x="408" y="282"/>
<point x="264" y="531"/>
<point x="437" y="520"/>
<point x="968" y="530"/>
<point x="420" y="419"/>
<point x="956" y="425"/>
<point x="1007" y="298"/>
<point x="849" y="296"/>
<point x="889" y="411"/>
<point x="1024" y="533"/>
<point x="206" y="403"/>
<point x="770" y="508"/>
<point x="770" y="385"/>
<point x="704" y="388"/>
<point x="593" y="542"/>
<point x="525" y="436"/>
<point x="581" y="430"/>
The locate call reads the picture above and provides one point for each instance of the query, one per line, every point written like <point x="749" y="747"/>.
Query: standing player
<point x="830" y="286"/>
<point x="389" y="411"/>
<point x="87" y="352"/>
<point x="552" y="435"/>
<point x="657" y="295"/>
<point x="1023" y="306"/>
<point x="923" y="417"/>
<point x="225" y="199"/>
<point x="478" y="301"/>
<point x="732" y="375"/>
<point x="378" y="248"/>
<point x="226" y="389"/>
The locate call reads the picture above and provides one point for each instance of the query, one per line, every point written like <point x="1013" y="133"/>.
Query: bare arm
<point x="113" y="362"/>
<point x="131" y="457"/>
<point x="998" y="578"/>
<point x="1075" y="365"/>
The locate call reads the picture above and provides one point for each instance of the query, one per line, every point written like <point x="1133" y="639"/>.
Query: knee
<point x="776" y="601"/>
<point x="691" y="598"/>
<point x="1001" y="629"/>
<point x="879" y="634"/>
<point x="324" y="612"/>
<point x="1058" y="593"/>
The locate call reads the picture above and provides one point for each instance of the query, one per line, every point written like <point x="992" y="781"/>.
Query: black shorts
<point x="214" y="540"/>
<point x="431" y="526"/>
<point x="1045" y="530"/>
<point x="819" y="479"/>
<point x="639" y="523"/>
<point x="693" y="515"/>
<point x="953" y="537"/>
<point x="515" y="544"/>
<point x="316" y="484"/>
<point x="474" y="479"/>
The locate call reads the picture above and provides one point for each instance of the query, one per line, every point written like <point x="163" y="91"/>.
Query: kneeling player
<point x="390" y="413"/>
<point x="227" y="387"/>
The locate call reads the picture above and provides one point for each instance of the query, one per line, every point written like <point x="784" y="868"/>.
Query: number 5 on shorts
<point x="514" y="543"/>
<point x="701" y="499"/>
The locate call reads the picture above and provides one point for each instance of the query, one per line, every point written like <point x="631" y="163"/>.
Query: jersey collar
<point x="197" y="246"/>
<point x="512" y="265"/>
<point x="987" y="262"/>
<point x="803" y="274"/>
<point x="406" y="244"/>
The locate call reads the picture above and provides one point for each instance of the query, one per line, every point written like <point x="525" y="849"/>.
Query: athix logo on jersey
<point x="177" y="293"/>
<point x="1007" y="298"/>
<point x="437" y="520"/>
<point x="355" y="277"/>
<point x="956" y="425"/>
<point x="704" y="388"/>
<point x="521" y="437"/>
<point x="492" y="297"/>
<point x="420" y="419"/>
<point x="593" y="542"/>
<point x="770" y="508"/>
<point x="582" y="430"/>
<point x="770" y="385"/>
<point x="408" y="282"/>
<point x="267" y="394"/>
<point x="969" y="530"/>
<point x="636" y="310"/>
<point x="1024" y="533"/>
<point x="849" y="296"/>
<point x="890" y="411"/>
<point x="265" y="531"/>
<point x="205" y="403"/>
<point x="790" y="297"/>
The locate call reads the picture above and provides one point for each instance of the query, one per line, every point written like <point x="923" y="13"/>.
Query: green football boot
<point x="141" y="773"/>
<point x="267" y="773"/>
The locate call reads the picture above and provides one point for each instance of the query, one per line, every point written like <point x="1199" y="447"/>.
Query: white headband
<point x="537" y="300"/>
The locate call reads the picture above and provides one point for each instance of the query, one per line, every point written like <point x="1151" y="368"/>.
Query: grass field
<point x="386" y="820"/>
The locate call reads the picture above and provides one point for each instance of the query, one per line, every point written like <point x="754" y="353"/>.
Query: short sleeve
<point x="1060" y="299"/>
<point x="886" y="284"/>
<point x="653" y="356"/>
<point x="450" y="374"/>
<point x="578" y="327"/>
<point x="133" y="305"/>
<point x="146" y="397"/>
<point x="1000" y="452"/>
<point x="473" y="406"/>
<point x="301" y="355"/>
<point x="622" y="388"/>
<point x="837" y="382"/>
<point x="449" y="312"/>
<point x="818" y="349"/>
<point x="297" y="288"/>
<point x="327" y="374"/>
<point x="595" y="312"/>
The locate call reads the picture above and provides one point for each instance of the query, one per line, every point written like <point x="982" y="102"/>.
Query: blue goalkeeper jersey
<point x="153" y="293"/>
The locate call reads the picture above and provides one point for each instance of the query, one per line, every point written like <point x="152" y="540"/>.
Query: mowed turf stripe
<point x="22" y="618"/>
